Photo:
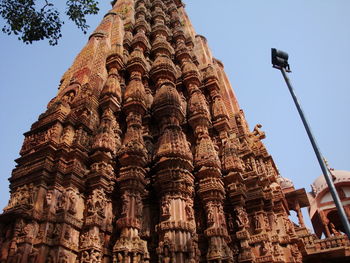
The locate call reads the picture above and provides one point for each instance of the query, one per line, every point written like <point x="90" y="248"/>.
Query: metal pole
<point x="320" y="159"/>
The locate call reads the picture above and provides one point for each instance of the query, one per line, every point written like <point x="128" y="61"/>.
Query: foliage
<point x="34" y="20"/>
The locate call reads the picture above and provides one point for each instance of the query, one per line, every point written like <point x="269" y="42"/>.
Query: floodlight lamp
<point x="279" y="59"/>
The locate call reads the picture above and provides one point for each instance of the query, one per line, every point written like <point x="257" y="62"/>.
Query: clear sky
<point x="315" y="33"/>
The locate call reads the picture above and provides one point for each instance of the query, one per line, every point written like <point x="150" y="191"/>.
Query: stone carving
<point x="221" y="217"/>
<point x="288" y="226"/>
<point x="29" y="230"/>
<point x="67" y="201"/>
<point x="81" y="137"/>
<point x="257" y="221"/>
<point x="57" y="230"/>
<point x="258" y="133"/>
<point x="68" y="135"/>
<point x="93" y="256"/>
<point x="166" y="208"/>
<point x="96" y="204"/>
<point x="230" y="223"/>
<point x="139" y="206"/>
<point x="34" y="140"/>
<point x="189" y="211"/>
<point x="49" y="197"/>
<point x="145" y="147"/>
<point x="296" y="254"/>
<point x="72" y="199"/>
<point x="126" y="204"/>
<point x="267" y="222"/>
<point x="210" y="214"/>
<point x="242" y="217"/>
<point x="107" y="137"/>
<point x="89" y="239"/>
<point x="68" y="97"/>
<point x="22" y="196"/>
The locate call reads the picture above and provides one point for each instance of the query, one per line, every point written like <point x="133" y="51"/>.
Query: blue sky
<point x="315" y="33"/>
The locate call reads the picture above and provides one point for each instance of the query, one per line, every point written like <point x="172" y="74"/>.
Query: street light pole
<point x="281" y="63"/>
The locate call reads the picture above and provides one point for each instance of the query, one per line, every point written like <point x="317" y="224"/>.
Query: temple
<point x="145" y="156"/>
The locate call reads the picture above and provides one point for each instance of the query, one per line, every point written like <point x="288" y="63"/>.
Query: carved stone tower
<point x="144" y="155"/>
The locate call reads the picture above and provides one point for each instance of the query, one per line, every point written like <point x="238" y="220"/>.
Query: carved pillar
<point x="299" y="214"/>
<point x="208" y="169"/>
<point x="133" y="158"/>
<point x="325" y="223"/>
<point x="173" y="158"/>
<point x="101" y="179"/>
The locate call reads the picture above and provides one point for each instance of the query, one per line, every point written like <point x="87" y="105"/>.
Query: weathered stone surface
<point x="144" y="155"/>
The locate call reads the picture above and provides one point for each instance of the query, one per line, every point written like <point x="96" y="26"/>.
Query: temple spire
<point x="145" y="156"/>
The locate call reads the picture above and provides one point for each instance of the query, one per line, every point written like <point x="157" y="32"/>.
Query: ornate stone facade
<point x="144" y="155"/>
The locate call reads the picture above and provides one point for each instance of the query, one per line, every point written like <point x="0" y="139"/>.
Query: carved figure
<point x="96" y="203"/>
<point x="68" y="97"/>
<point x="26" y="230"/>
<point x="50" y="228"/>
<point x="265" y="247"/>
<point x="68" y="135"/>
<point x="48" y="199"/>
<point x="242" y="217"/>
<point x="260" y="167"/>
<point x="269" y="168"/>
<point x="62" y="201"/>
<point x="275" y="220"/>
<point x="57" y="231"/>
<point x="288" y="226"/>
<point x="23" y="195"/>
<point x="230" y="223"/>
<point x="258" y="132"/>
<point x="126" y="204"/>
<point x="166" y="208"/>
<point x="91" y="210"/>
<point x="296" y="253"/>
<point x="221" y="217"/>
<point x="139" y="206"/>
<point x="106" y="137"/>
<point x="189" y="211"/>
<point x="248" y="165"/>
<point x="267" y="222"/>
<point x="72" y="199"/>
<point x="210" y="212"/>
<point x="257" y="221"/>
<point x="67" y="233"/>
